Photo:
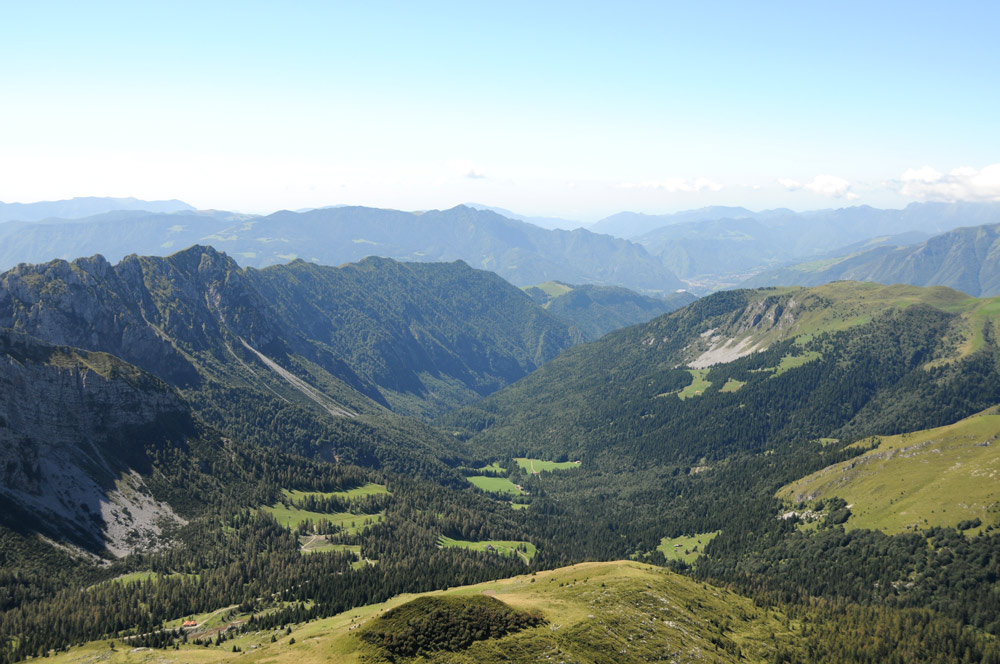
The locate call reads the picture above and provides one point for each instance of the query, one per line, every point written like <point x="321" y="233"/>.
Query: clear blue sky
<point x="566" y="109"/>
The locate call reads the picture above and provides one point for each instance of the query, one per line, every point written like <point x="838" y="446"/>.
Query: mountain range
<point x="77" y="208"/>
<point x="332" y="349"/>
<point x="520" y="252"/>
<point x="221" y="460"/>
<point x="710" y="248"/>
<point x="967" y="259"/>
<point x="722" y="247"/>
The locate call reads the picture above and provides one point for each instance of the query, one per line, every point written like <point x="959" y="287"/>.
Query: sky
<point x="574" y="110"/>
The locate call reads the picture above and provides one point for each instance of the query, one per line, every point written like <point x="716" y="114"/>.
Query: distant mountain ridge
<point x="711" y="251"/>
<point x="967" y="259"/>
<point x="518" y="251"/>
<point x="596" y="310"/>
<point x="551" y="223"/>
<point x="634" y="224"/>
<point x="77" y="208"/>
<point x="710" y="248"/>
<point x="864" y="219"/>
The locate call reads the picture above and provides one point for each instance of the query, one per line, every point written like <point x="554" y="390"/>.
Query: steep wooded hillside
<point x="743" y="370"/>
<point x="78" y="433"/>
<point x="266" y="354"/>
<point x="104" y="457"/>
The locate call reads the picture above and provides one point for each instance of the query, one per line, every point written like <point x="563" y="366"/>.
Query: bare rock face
<point x="75" y="431"/>
<point x="762" y="322"/>
<point x="147" y="311"/>
<point x="155" y="313"/>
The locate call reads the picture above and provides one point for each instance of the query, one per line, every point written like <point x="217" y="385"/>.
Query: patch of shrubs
<point x="429" y="624"/>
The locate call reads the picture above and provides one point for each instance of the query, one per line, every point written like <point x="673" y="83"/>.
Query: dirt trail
<point x="312" y="540"/>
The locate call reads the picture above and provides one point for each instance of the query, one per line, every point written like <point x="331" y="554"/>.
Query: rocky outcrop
<point x="376" y="328"/>
<point x="76" y="430"/>
<point x="762" y="322"/>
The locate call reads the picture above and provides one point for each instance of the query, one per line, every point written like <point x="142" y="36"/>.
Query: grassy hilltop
<point x="600" y="613"/>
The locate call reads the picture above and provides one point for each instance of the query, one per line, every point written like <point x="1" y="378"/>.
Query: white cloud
<point x="464" y="168"/>
<point x="676" y="185"/>
<point x="830" y="186"/>
<point x="961" y="184"/>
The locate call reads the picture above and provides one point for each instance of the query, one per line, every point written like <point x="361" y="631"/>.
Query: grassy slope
<point x="842" y="305"/>
<point x="849" y="304"/>
<point x="370" y="489"/>
<point x="856" y="303"/>
<point x="598" y="612"/>
<point x="936" y="477"/>
<point x="698" y="384"/>
<point x="554" y="288"/>
<point x="291" y="517"/>
<point x="690" y="546"/>
<point x="501" y="547"/>
<point x="495" y="484"/>
<point x="540" y="466"/>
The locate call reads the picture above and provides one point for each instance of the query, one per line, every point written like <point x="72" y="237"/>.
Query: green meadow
<point x="539" y="466"/>
<point x="370" y="489"/>
<point x="935" y="477"/>
<point x="732" y="385"/>
<point x="291" y="517"/>
<point x="698" y="384"/>
<point x="523" y="549"/>
<point x="685" y="548"/>
<point x="500" y="485"/>
<point x="793" y="361"/>
<point x="554" y="288"/>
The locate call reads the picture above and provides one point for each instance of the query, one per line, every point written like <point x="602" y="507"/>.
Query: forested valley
<point x="298" y="498"/>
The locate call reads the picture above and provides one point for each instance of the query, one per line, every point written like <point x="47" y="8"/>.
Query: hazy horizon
<point x="528" y="215"/>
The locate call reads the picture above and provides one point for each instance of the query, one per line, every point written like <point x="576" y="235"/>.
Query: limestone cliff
<point x="76" y="431"/>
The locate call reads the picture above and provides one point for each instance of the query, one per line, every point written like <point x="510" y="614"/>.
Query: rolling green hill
<point x="923" y="479"/>
<point x="595" y="613"/>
